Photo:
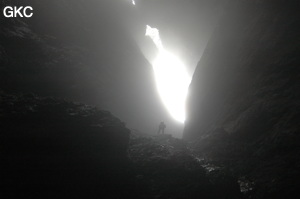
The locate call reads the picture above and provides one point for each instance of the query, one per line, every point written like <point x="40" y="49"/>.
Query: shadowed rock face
<point x="244" y="96"/>
<point x="52" y="147"/>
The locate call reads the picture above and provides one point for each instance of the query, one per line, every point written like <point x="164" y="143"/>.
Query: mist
<point x="149" y="99"/>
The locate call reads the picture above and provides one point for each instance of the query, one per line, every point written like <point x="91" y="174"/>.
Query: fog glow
<point x="171" y="77"/>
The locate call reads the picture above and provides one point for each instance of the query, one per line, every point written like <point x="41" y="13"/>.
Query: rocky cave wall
<point x="243" y="106"/>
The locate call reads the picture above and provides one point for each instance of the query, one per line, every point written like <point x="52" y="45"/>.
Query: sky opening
<point x="172" y="79"/>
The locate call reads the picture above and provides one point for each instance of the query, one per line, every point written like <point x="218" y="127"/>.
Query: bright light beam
<point x="172" y="79"/>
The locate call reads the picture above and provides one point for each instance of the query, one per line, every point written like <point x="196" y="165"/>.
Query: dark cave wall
<point x="248" y="78"/>
<point x="243" y="104"/>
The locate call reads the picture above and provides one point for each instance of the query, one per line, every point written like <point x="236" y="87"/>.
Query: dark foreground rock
<point x="166" y="168"/>
<point x="53" y="148"/>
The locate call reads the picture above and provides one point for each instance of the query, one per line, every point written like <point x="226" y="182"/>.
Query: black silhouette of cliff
<point x="243" y="108"/>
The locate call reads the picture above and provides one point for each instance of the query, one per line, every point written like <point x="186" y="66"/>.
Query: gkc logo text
<point x="21" y="11"/>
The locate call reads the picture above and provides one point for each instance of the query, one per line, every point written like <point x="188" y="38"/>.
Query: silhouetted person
<point x="161" y="128"/>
